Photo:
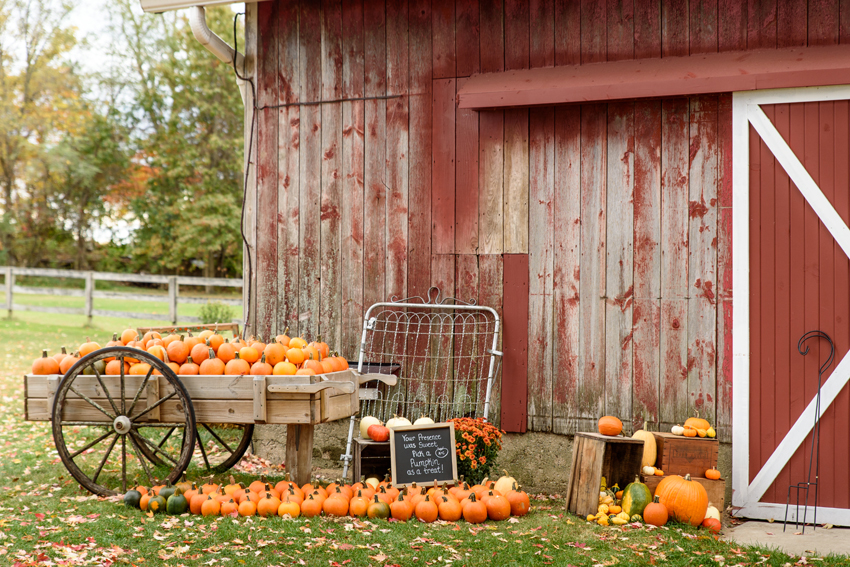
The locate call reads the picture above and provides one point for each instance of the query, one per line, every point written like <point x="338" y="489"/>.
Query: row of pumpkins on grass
<point x="208" y="353"/>
<point x="679" y="498"/>
<point x="495" y="500"/>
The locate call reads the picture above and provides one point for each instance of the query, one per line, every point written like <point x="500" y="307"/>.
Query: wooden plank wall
<point x="623" y="210"/>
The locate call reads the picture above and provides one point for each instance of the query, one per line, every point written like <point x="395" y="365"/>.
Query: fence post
<point x="10" y="283"/>
<point x="89" y="296"/>
<point x="172" y="299"/>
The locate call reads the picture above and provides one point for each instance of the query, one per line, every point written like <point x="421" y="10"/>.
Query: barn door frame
<point x="746" y="111"/>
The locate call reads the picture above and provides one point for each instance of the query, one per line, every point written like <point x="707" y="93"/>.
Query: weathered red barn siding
<point x="800" y="278"/>
<point x="622" y="211"/>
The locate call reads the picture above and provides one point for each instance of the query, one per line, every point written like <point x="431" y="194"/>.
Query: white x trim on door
<point x="746" y="111"/>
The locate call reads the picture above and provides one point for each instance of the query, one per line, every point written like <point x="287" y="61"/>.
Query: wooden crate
<point x="370" y="457"/>
<point x="685" y="455"/>
<point x="594" y="456"/>
<point x="716" y="489"/>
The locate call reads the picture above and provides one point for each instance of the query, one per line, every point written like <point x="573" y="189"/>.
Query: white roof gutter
<point x="216" y="45"/>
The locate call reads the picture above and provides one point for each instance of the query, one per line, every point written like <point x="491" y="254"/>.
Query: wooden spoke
<point x="92" y="402"/>
<point x="156" y="405"/>
<point x="217" y="438"/>
<point x="105" y="458"/>
<point x="92" y="444"/>
<point x="155" y="449"/>
<point x="105" y="389"/>
<point x="138" y="451"/>
<point x="138" y="392"/>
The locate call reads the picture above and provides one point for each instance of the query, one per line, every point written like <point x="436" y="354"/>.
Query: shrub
<point x="478" y="444"/>
<point x="215" y="312"/>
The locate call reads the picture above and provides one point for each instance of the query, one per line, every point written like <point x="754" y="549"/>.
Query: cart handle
<point x="345" y="387"/>
<point x="388" y="379"/>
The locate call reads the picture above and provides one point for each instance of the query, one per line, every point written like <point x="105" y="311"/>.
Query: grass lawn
<point x="48" y="520"/>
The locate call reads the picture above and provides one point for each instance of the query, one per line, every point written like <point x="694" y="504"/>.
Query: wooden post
<point x="299" y="452"/>
<point x="10" y="283"/>
<point x="172" y="299"/>
<point x="89" y="296"/>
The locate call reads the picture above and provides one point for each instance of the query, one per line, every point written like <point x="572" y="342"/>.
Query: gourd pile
<point x="208" y="353"/>
<point x="373" y="428"/>
<point x="694" y="427"/>
<point x="370" y="498"/>
<point x="675" y="497"/>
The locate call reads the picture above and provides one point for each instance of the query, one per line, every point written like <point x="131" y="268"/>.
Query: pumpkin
<point x="423" y="420"/>
<point x="659" y="472"/>
<point x="474" y="511"/>
<point x="650" y="450"/>
<point x="167" y="490"/>
<point x="609" y="425"/>
<point x="313" y="364"/>
<point x="113" y="368"/>
<point x="284" y="368"/>
<point x="397" y="421"/>
<point x="128" y="335"/>
<point x="636" y="497"/>
<point x="690" y="432"/>
<point x="426" y="510"/>
<point x="295" y="355"/>
<point x="88" y="347"/>
<point x="211" y="366"/>
<point x="68" y="362"/>
<point x="227" y="352"/>
<point x="311" y="506"/>
<point x="713" y="474"/>
<point x="201" y="352"/>
<point x="449" y="509"/>
<point x="323" y="349"/>
<point x="290" y="507"/>
<point x="655" y="513"/>
<point x="297" y="342"/>
<point x="176" y="503"/>
<point x="677" y="430"/>
<point x="60" y="355"/>
<point x="230" y="508"/>
<point x="711" y="433"/>
<point x="196" y="502"/>
<point x="378" y="433"/>
<point x="261" y="367"/>
<point x="237" y="366"/>
<point x="614" y="509"/>
<point x="504" y="484"/>
<point x="686" y="500"/>
<point x="157" y="504"/>
<point x="211" y="507"/>
<point x="268" y="505"/>
<point x="697" y="422"/>
<point x="336" y="506"/>
<point x="132" y="498"/>
<point x="45" y="365"/>
<point x="520" y="503"/>
<point x="648" y="471"/>
<point x="247" y="508"/>
<point x="215" y="341"/>
<point x="713" y="525"/>
<point x="712" y="512"/>
<point x="380" y="509"/>
<point x="402" y="508"/>
<point x="498" y="507"/>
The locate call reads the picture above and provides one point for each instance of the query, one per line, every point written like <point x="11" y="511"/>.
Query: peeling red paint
<point x="627" y="339"/>
<point x="330" y="211"/>
<point x="697" y="209"/>
<point x="707" y="292"/>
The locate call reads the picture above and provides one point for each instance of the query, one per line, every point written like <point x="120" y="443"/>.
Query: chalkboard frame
<point x="453" y="452"/>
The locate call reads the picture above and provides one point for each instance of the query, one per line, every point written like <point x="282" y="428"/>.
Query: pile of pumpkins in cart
<point x="495" y="500"/>
<point x="676" y="497"/>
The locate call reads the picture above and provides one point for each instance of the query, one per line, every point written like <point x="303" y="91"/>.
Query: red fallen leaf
<point x="39" y="516"/>
<point x="345" y="546"/>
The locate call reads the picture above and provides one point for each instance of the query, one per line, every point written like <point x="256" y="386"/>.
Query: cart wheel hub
<point x="122" y="424"/>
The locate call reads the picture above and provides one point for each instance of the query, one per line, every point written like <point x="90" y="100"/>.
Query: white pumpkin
<point x="650" y="450"/>
<point x="504" y="484"/>
<point x="712" y="512"/>
<point x="397" y="421"/>
<point x="366" y="422"/>
<point x="424" y="420"/>
<point x="677" y="430"/>
<point x="648" y="471"/>
<point x="373" y="481"/>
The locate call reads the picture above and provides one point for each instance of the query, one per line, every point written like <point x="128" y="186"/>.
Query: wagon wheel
<point x="117" y="431"/>
<point x="219" y="446"/>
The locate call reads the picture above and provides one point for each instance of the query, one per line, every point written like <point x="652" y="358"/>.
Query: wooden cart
<point x="112" y="432"/>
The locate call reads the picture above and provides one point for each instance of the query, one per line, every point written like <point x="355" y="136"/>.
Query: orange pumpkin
<point x="712" y="474"/>
<point x="68" y="362"/>
<point x="128" y="335"/>
<point x="335" y="506"/>
<point x="689" y="432"/>
<point x="289" y="507"/>
<point x="275" y="352"/>
<point x="211" y="366"/>
<point x="237" y="366"/>
<point x="686" y="500"/>
<point x="247" y="508"/>
<point x="201" y="352"/>
<point x="520" y="503"/>
<point x="322" y="348"/>
<point x="188" y="368"/>
<point x="610" y="425"/>
<point x="283" y="340"/>
<point x="713" y="525"/>
<point x="402" y="509"/>
<point x="230" y="508"/>
<point x="177" y="351"/>
<point x="311" y="507"/>
<point x="296" y="356"/>
<point x="498" y="508"/>
<point x="449" y="509"/>
<point x="249" y="354"/>
<point x="88" y="347"/>
<point x="655" y="513"/>
<point x="268" y="505"/>
<point x="215" y="341"/>
<point x="474" y="511"/>
<point x="261" y="367"/>
<point x="211" y="507"/>
<point x="45" y="365"/>
<point x="284" y="368"/>
<point x="426" y="510"/>
<point x="113" y="368"/>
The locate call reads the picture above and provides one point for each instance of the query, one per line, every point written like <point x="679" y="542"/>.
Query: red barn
<point x="582" y="167"/>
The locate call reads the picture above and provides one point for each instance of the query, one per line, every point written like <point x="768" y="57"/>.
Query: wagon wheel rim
<point x="105" y="428"/>
<point x="219" y="446"/>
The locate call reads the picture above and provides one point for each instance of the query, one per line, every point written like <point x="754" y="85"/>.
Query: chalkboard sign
<point x="423" y="453"/>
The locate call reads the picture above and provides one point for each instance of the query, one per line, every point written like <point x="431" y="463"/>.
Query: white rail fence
<point x="90" y="294"/>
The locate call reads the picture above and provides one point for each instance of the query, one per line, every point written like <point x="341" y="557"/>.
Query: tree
<point x="189" y="136"/>
<point x="35" y="81"/>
